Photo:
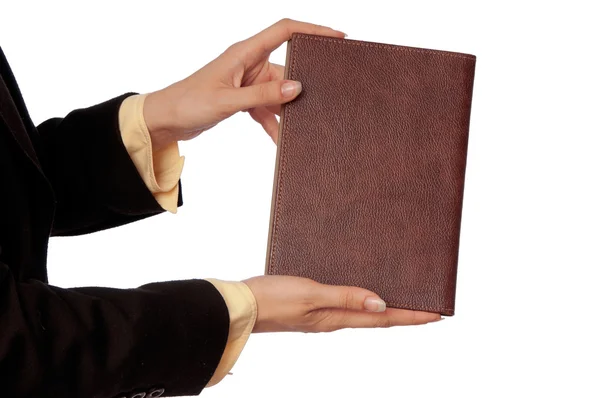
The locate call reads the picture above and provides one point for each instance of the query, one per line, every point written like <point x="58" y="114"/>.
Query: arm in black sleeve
<point x="102" y="342"/>
<point x="96" y="184"/>
<point x="94" y="180"/>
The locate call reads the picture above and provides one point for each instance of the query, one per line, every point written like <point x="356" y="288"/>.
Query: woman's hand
<point x="289" y="303"/>
<point x="240" y="79"/>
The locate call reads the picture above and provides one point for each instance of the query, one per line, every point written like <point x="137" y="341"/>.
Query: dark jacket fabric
<point x="71" y="176"/>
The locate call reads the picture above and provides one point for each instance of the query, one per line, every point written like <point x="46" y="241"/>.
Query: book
<point x="370" y="169"/>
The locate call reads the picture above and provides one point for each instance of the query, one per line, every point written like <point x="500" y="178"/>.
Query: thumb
<point x="350" y="298"/>
<point x="266" y="94"/>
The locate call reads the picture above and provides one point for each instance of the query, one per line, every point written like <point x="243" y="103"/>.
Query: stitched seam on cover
<point x="388" y="47"/>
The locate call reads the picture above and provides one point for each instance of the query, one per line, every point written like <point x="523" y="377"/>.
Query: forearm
<point x="96" y="184"/>
<point x="102" y="342"/>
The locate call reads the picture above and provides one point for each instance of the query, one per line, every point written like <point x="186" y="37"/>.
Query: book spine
<point x="280" y="137"/>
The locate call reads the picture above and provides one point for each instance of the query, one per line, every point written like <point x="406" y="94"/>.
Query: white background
<point x="528" y="295"/>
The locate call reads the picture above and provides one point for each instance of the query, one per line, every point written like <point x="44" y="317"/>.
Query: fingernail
<point x="373" y="304"/>
<point x="437" y="320"/>
<point x="289" y="89"/>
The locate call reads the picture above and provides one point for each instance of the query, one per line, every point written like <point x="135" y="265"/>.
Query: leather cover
<point x="369" y="178"/>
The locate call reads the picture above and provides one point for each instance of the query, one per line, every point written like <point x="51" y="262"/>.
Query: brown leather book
<point x="369" y="178"/>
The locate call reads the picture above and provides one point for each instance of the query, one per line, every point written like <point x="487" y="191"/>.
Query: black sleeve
<point x="96" y="184"/>
<point x="103" y="342"/>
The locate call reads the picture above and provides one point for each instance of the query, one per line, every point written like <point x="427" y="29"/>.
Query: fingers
<point x="354" y="307"/>
<point x="275" y="109"/>
<point x="275" y="35"/>
<point x="340" y="319"/>
<point x="267" y="120"/>
<point x="348" y="298"/>
<point x="262" y="95"/>
<point x="276" y="72"/>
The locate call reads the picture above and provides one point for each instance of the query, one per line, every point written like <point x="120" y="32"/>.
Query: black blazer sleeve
<point x="95" y="181"/>
<point x="103" y="342"/>
<point x="88" y="342"/>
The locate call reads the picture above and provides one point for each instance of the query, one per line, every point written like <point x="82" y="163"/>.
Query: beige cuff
<point x="160" y="170"/>
<point x="242" y="316"/>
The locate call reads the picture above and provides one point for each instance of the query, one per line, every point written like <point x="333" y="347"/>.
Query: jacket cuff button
<point x="156" y="393"/>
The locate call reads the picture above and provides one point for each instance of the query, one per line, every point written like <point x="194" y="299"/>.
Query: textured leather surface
<point x="371" y="160"/>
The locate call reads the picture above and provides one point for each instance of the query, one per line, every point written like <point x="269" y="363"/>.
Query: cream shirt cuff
<point x="160" y="170"/>
<point x="242" y="315"/>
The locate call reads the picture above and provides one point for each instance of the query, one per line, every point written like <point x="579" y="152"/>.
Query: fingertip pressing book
<point x="370" y="169"/>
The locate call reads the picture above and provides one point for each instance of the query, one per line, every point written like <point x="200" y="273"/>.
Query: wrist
<point x="158" y="118"/>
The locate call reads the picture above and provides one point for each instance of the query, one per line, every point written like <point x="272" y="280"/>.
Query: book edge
<point x="388" y="46"/>
<point x="276" y="176"/>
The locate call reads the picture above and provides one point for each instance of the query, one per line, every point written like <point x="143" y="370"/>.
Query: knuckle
<point x="346" y="298"/>
<point x="262" y="92"/>
<point x="285" y="25"/>
<point x="235" y="48"/>
<point x="222" y="104"/>
<point x="383" y="323"/>
<point x="413" y="318"/>
<point x="323" y="322"/>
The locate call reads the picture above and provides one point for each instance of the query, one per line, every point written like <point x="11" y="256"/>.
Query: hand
<point x="289" y="303"/>
<point x="240" y="79"/>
